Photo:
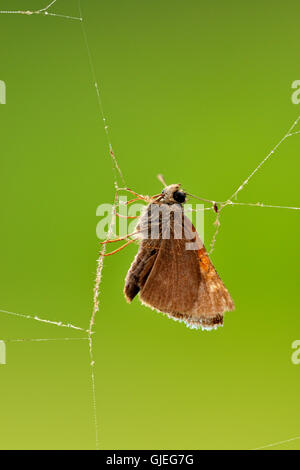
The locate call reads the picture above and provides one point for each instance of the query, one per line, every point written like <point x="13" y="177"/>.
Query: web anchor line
<point x="43" y="320"/>
<point x="117" y="170"/>
<point x="277" y="443"/>
<point x="229" y="201"/>
<point x="246" y="181"/>
<point x="43" y="11"/>
<point x="40" y="340"/>
<point x="100" y="262"/>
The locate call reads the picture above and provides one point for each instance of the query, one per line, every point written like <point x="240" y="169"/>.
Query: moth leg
<point x="157" y="197"/>
<point x="139" y="196"/>
<point x="126" y="204"/>
<point x="118" y="239"/>
<point x="131" y="201"/>
<point x="119" y="249"/>
<point x="126" y="216"/>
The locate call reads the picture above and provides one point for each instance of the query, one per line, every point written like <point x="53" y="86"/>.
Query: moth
<point x="172" y="272"/>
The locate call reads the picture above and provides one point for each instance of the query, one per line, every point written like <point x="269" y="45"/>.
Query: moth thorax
<point x="172" y="194"/>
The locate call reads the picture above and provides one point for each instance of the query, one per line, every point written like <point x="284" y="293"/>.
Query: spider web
<point x="119" y="178"/>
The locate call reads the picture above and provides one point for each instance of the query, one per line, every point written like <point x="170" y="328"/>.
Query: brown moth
<point x="172" y="271"/>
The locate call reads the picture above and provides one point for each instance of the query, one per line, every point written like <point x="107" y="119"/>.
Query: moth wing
<point x="140" y="268"/>
<point x="172" y="284"/>
<point x="175" y="276"/>
<point x="163" y="271"/>
<point x="213" y="299"/>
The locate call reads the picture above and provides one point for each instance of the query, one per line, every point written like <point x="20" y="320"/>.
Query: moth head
<point x="173" y="194"/>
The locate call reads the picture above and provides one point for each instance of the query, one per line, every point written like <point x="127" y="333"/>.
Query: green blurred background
<point x="200" y="92"/>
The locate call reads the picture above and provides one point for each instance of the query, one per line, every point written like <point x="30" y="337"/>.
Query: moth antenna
<point x="201" y="198"/>
<point x="161" y="179"/>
